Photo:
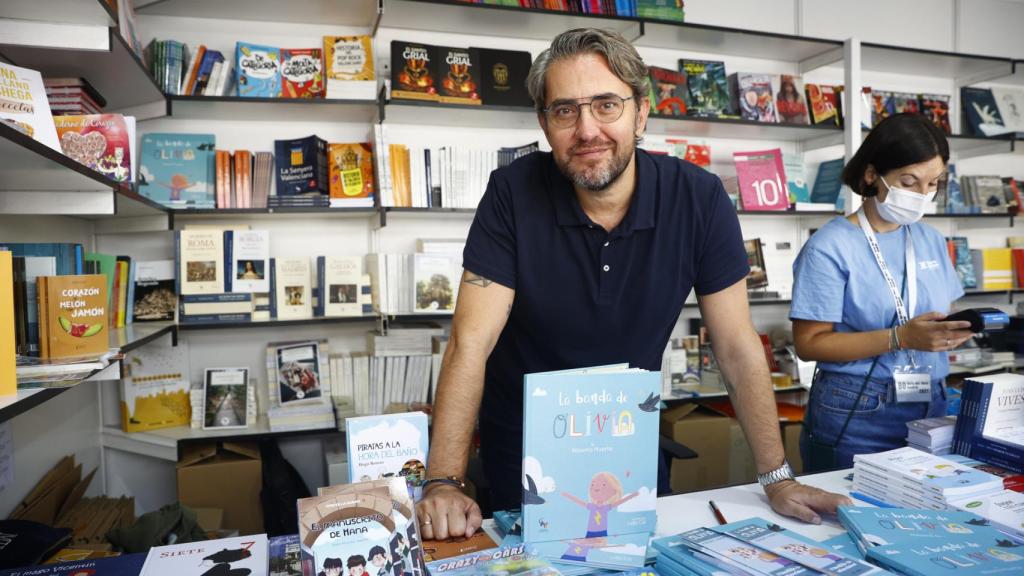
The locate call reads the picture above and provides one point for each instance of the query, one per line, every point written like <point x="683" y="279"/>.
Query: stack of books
<point x="300" y="386"/>
<point x="350" y="385"/>
<point x="400" y="367"/>
<point x="927" y="542"/>
<point x="1011" y="480"/>
<point x="933" y="435"/>
<point x="990" y="427"/>
<point x="915" y="479"/>
<point x="752" y="547"/>
<point x="426" y="282"/>
<point x="1005" y="510"/>
<point x="74" y="96"/>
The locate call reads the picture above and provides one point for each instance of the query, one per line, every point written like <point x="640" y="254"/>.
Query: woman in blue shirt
<point x="874" y="324"/>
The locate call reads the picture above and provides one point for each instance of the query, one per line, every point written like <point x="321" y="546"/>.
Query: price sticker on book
<point x="913" y="383"/>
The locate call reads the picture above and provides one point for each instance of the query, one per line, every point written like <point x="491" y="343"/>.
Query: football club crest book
<point x="459" y="76"/>
<point x="590" y="464"/>
<point x="259" y="70"/>
<point x="301" y="166"/>
<point x="102" y="142"/>
<point x="414" y="70"/>
<point x="388" y="445"/>
<point x="178" y="170"/>
<point x="228" y="556"/>
<point x="668" y="91"/>
<point x="302" y="74"/>
<point x="24" y="106"/>
<point x="503" y="76"/>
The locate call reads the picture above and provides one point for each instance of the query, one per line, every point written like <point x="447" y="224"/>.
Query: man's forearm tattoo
<point x="478" y="280"/>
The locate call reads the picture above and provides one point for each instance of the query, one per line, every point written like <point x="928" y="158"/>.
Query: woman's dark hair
<point x="899" y="140"/>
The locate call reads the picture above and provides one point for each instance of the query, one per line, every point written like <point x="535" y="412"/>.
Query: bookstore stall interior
<point x="232" y="241"/>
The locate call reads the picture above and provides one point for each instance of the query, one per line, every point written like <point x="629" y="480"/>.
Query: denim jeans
<point x="878" y="424"/>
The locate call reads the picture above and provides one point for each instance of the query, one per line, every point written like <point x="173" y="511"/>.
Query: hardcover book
<point x="102" y="142"/>
<point x="301" y="166"/>
<point x="248" y="255"/>
<point x="227" y="556"/>
<point x="155" y="389"/>
<point x="123" y="565"/>
<point x="200" y="258"/>
<point x="73" y="316"/>
<point x="339" y="278"/>
<point x="415" y="69"/>
<point x="351" y="175"/>
<point x="348" y="67"/>
<point x="259" y="70"/>
<point x="508" y="560"/>
<point x="590" y="464"/>
<point x="935" y="107"/>
<point x="155" y="299"/>
<point x="293" y="288"/>
<point x="790" y="101"/>
<point x="668" y="91"/>
<point x="752" y="96"/>
<point x="298" y="374"/>
<point x="1005" y="510"/>
<point x="981" y="115"/>
<point x="285" y="556"/>
<point x="388" y="445"/>
<point x="503" y="76"/>
<point x="707" y="87"/>
<point x="459" y="76"/>
<point x="762" y="180"/>
<point x="436" y="282"/>
<point x="823" y="101"/>
<point x="225" y="398"/>
<point x="1010" y="102"/>
<point x="178" y="170"/>
<point x="23" y="105"/>
<point x="302" y="74"/>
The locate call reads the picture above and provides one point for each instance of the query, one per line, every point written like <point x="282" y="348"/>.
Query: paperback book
<point x="510" y="560"/>
<point x="248" y="255"/>
<point x="752" y="96"/>
<point x="436" y="282"/>
<point x="339" y="278"/>
<point x="935" y="107"/>
<point x="102" y="142"/>
<point x="790" y="101"/>
<point x="301" y="166"/>
<point x="293" y="293"/>
<point x="302" y="73"/>
<point x="155" y="299"/>
<point x="707" y="87"/>
<point x="459" y="76"/>
<point x="259" y="70"/>
<point x="73" y="316"/>
<point x="228" y="556"/>
<point x="24" y="106"/>
<point x="762" y="180"/>
<point x="348" y="67"/>
<point x="178" y="170"/>
<point x="415" y="69"/>
<point x="823" y="101"/>
<point x="350" y="169"/>
<point x="155" y="388"/>
<point x="668" y="91"/>
<point x="298" y="373"/>
<point x="388" y="445"/>
<point x="285" y="556"/>
<point x="225" y="398"/>
<point x="200" y="261"/>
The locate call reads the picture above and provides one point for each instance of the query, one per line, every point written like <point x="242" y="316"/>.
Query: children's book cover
<point x="388" y="445"/>
<point x="155" y="388"/>
<point x="24" y="105"/>
<point x="1004" y="509"/>
<point x="350" y="168"/>
<point x="228" y="556"/>
<point x="302" y="74"/>
<point x="406" y="552"/>
<point x="459" y="76"/>
<point x="177" y="170"/>
<point x="259" y="70"/>
<point x="707" y="87"/>
<point x="668" y="91"/>
<point x="824" y="104"/>
<point x="905" y="103"/>
<point x="934" y="473"/>
<point x="515" y="560"/>
<point x="733" y="554"/>
<point x="752" y="96"/>
<point x="285" y="556"/>
<point x="590" y="440"/>
<point x="102" y="142"/>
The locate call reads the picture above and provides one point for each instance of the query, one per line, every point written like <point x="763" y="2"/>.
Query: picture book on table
<point x="752" y="96"/>
<point x="668" y="91"/>
<point x="459" y="76"/>
<point x="200" y="261"/>
<point x="730" y="554"/>
<point x="285" y="556"/>
<point x="388" y="445"/>
<point x="155" y="388"/>
<point x="590" y="464"/>
<point x="178" y="170"/>
<point x="348" y="67"/>
<point x="360" y="526"/>
<point x="102" y="142"/>
<point x="247" y="253"/>
<point x="1005" y="510"/>
<point x="298" y="373"/>
<point x="24" y="106"/>
<point x="227" y="556"/>
<point x="155" y="298"/>
<point x="73" y="315"/>
<point x="350" y="170"/>
<point x="507" y="560"/>
<point x="707" y="88"/>
<point x="790" y="102"/>
<point x="408" y="552"/>
<point x="302" y="74"/>
<point x="259" y="70"/>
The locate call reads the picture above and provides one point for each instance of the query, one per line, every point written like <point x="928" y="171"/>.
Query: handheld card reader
<point x="982" y="319"/>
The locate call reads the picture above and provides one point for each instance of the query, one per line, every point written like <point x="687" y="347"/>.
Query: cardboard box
<point x="336" y="461"/>
<point x="225" y="475"/>
<point x="709" y="434"/>
<point x="791" y="441"/>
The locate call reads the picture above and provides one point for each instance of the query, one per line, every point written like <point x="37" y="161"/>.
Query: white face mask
<point x="902" y="206"/>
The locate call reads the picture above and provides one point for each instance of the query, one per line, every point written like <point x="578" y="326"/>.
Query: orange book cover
<point x="76" y="315"/>
<point x="193" y="73"/>
<point x="8" y="378"/>
<point x="351" y="170"/>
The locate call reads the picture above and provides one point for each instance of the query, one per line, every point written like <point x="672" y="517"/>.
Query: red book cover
<point x="302" y="73"/>
<point x="824" y="103"/>
<point x="1018" y="266"/>
<point x="762" y="180"/>
<point x="101" y="142"/>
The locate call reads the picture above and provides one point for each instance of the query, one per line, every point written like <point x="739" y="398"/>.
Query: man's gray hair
<point x="622" y="58"/>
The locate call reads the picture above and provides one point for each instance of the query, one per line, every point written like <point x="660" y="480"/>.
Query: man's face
<point x="592" y="154"/>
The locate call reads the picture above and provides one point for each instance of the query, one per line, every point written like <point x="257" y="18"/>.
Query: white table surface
<point x="688" y="511"/>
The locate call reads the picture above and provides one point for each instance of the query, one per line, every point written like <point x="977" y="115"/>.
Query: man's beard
<point x="597" y="178"/>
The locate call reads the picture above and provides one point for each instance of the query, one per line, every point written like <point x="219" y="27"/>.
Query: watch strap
<point x="779" y="474"/>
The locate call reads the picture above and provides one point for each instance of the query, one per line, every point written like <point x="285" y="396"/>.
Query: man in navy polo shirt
<point x="584" y="256"/>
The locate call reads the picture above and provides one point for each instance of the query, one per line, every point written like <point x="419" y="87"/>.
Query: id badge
<point x="913" y="383"/>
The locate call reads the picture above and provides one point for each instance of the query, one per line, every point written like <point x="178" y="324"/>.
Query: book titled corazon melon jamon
<point x="73" y="315"/>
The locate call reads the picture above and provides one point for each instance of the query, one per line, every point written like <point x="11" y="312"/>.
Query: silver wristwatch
<point x="781" y="473"/>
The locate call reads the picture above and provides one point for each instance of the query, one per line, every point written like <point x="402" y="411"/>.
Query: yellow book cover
<point x="122" y="292"/>
<point x="351" y="170"/>
<point x="8" y="378"/>
<point x="349" y="57"/>
<point x="998" y="269"/>
<point x="73" y="315"/>
<point x="155" y="388"/>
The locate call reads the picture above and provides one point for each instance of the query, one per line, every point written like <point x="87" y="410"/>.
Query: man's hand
<point x="807" y="503"/>
<point x="445" y="512"/>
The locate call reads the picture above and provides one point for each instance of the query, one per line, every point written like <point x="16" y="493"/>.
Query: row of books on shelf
<point x="424" y="282"/>
<point x="671" y="10"/>
<point x="988" y="268"/>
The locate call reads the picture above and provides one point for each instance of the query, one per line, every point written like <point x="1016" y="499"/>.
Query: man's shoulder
<point x="670" y="168"/>
<point x="529" y="166"/>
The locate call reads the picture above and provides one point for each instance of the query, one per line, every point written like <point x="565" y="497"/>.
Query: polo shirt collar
<point x="640" y="215"/>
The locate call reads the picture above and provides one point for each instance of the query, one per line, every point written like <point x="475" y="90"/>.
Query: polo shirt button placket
<point x="606" y="268"/>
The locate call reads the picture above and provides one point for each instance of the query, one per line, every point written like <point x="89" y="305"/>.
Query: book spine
<point x="321" y="272"/>
<point x="216" y="298"/>
<point x="215" y="318"/>
<point x="177" y="262"/>
<point x="273" y="289"/>
<point x="229" y="264"/>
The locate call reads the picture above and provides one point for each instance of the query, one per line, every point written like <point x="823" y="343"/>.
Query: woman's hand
<point x="928" y="332"/>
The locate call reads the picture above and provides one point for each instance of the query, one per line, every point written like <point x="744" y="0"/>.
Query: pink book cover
<point x="762" y="180"/>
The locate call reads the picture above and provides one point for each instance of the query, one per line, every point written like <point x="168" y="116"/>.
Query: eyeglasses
<point x="606" y="109"/>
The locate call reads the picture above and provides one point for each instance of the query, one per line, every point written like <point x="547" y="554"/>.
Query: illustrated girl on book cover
<point x="605" y="494"/>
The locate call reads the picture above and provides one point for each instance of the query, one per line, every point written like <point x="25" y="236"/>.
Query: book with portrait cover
<point x="668" y="91"/>
<point x="459" y="76"/>
<point x="388" y="445"/>
<point x="293" y="291"/>
<point x="259" y="70"/>
<point x="102" y="142"/>
<point x="790" y="102"/>
<point x="73" y="315"/>
<point x="503" y="76"/>
<point x="228" y="556"/>
<point x="348" y="67"/>
<point x="340" y="279"/>
<point x="302" y="74"/>
<point x="200" y="261"/>
<point x="350" y="170"/>
<point x="590" y="464"/>
<point x="707" y="88"/>
<point x="247" y="255"/>
<point x="415" y="70"/>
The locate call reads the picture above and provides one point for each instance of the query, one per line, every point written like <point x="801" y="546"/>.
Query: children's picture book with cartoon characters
<point x="229" y="556"/>
<point x="517" y="560"/>
<point x="590" y="451"/>
<point x="259" y="70"/>
<point x="388" y="445"/>
<point x="302" y="74"/>
<point x="752" y="96"/>
<point x="178" y="170"/>
<point x="102" y="142"/>
<point x="350" y="169"/>
<point x="738" y="557"/>
<point x="936" y="475"/>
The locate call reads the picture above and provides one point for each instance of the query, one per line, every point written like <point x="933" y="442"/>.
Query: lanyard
<point x="903" y="314"/>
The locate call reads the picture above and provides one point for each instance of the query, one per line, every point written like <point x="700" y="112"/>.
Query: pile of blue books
<point x="915" y="479"/>
<point x="990" y="426"/>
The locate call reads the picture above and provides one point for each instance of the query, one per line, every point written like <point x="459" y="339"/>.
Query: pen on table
<point x="718" y="513"/>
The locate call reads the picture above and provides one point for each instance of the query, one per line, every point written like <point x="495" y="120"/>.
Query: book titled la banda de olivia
<point x="590" y="458"/>
<point x="73" y="315"/>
